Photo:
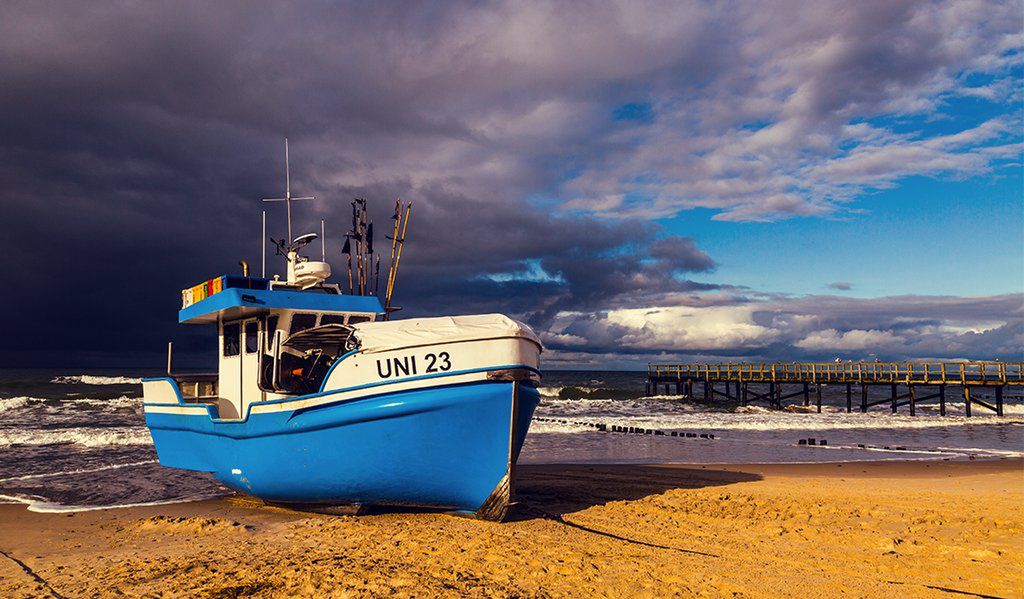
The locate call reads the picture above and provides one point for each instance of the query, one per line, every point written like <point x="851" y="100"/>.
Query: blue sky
<point x="940" y="235"/>
<point x="636" y="180"/>
<point x="926" y="236"/>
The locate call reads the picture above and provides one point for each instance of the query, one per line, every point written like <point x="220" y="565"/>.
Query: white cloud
<point x="831" y="339"/>
<point x="816" y="327"/>
<point x="677" y="327"/>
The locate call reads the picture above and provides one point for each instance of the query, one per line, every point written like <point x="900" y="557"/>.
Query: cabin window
<point x="252" y="337"/>
<point x="332" y="319"/>
<point x="232" y="341"/>
<point x="358" y="319"/>
<point x="301" y="322"/>
<point x="271" y="330"/>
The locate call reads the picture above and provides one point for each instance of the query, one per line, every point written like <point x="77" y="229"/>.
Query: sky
<point x="639" y="181"/>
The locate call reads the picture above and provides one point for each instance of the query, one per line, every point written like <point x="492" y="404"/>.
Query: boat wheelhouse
<point x="253" y="315"/>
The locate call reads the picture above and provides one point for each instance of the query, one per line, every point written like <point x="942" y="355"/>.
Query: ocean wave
<point x="67" y="405"/>
<point x="556" y="392"/>
<point x="948" y="452"/>
<point x="586" y="393"/>
<point x="124" y="401"/>
<point x="78" y="471"/>
<point x="678" y="415"/>
<point x="13" y="403"/>
<point x="86" y="437"/>
<point x="90" y="379"/>
<point x="541" y="426"/>
<point x="41" y="505"/>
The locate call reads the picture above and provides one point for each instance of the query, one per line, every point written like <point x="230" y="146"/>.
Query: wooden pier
<point x="909" y="383"/>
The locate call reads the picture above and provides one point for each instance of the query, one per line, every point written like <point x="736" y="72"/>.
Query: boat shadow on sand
<point x="553" y="490"/>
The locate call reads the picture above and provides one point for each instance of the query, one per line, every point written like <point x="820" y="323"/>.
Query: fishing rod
<point x="362" y="251"/>
<point x="376" y="277"/>
<point x="397" y="218"/>
<point x="347" y="249"/>
<point x="400" y="243"/>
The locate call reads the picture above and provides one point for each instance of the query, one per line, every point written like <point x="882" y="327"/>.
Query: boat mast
<point x="291" y="251"/>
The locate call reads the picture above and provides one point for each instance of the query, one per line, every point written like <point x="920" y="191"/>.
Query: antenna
<point x="263" y="273"/>
<point x="323" y="243"/>
<point x="287" y="199"/>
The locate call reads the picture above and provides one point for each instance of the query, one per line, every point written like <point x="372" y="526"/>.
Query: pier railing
<point x="904" y="373"/>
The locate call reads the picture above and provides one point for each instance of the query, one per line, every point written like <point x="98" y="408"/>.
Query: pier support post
<point x="819" y="397"/>
<point x="967" y="401"/>
<point x="743" y="394"/>
<point x="705" y="390"/>
<point x="647" y="389"/>
<point x="771" y="394"/>
<point x="894" y="406"/>
<point x="864" y="399"/>
<point x="849" y="398"/>
<point x="807" y="395"/>
<point x="942" y="400"/>
<point x="913" y="400"/>
<point x="999" y="400"/>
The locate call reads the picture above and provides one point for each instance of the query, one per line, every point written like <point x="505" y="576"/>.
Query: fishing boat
<point x="321" y="401"/>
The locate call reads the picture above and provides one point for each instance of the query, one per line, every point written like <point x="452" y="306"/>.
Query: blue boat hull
<point x="450" y="447"/>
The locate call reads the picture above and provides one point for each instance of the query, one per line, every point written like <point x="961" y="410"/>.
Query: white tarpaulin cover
<point x="394" y="334"/>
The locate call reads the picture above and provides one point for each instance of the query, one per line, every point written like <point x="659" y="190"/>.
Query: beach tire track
<point x="32" y="573"/>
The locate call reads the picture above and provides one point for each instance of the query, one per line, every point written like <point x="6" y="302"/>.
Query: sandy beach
<point x="862" y="529"/>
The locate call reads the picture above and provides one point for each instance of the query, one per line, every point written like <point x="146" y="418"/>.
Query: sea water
<point x="77" y="440"/>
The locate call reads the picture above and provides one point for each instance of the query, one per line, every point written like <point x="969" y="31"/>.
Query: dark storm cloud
<point x="841" y="286"/>
<point x="680" y="253"/>
<point x="137" y="139"/>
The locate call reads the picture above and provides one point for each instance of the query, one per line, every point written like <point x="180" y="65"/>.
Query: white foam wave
<point x="554" y="392"/>
<point x="68" y="405"/>
<point x="677" y="415"/>
<point x="1015" y="409"/>
<point x="79" y="471"/>
<point x="13" y="403"/>
<point x="118" y="402"/>
<point x="41" y="505"/>
<point x="87" y="437"/>
<point x="540" y="426"/>
<point x="90" y="379"/>
<point x="952" y="452"/>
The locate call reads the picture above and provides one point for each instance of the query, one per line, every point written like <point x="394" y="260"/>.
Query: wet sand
<point x="894" y="529"/>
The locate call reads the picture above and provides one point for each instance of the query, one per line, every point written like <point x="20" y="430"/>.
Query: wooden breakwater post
<point x="918" y="381"/>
